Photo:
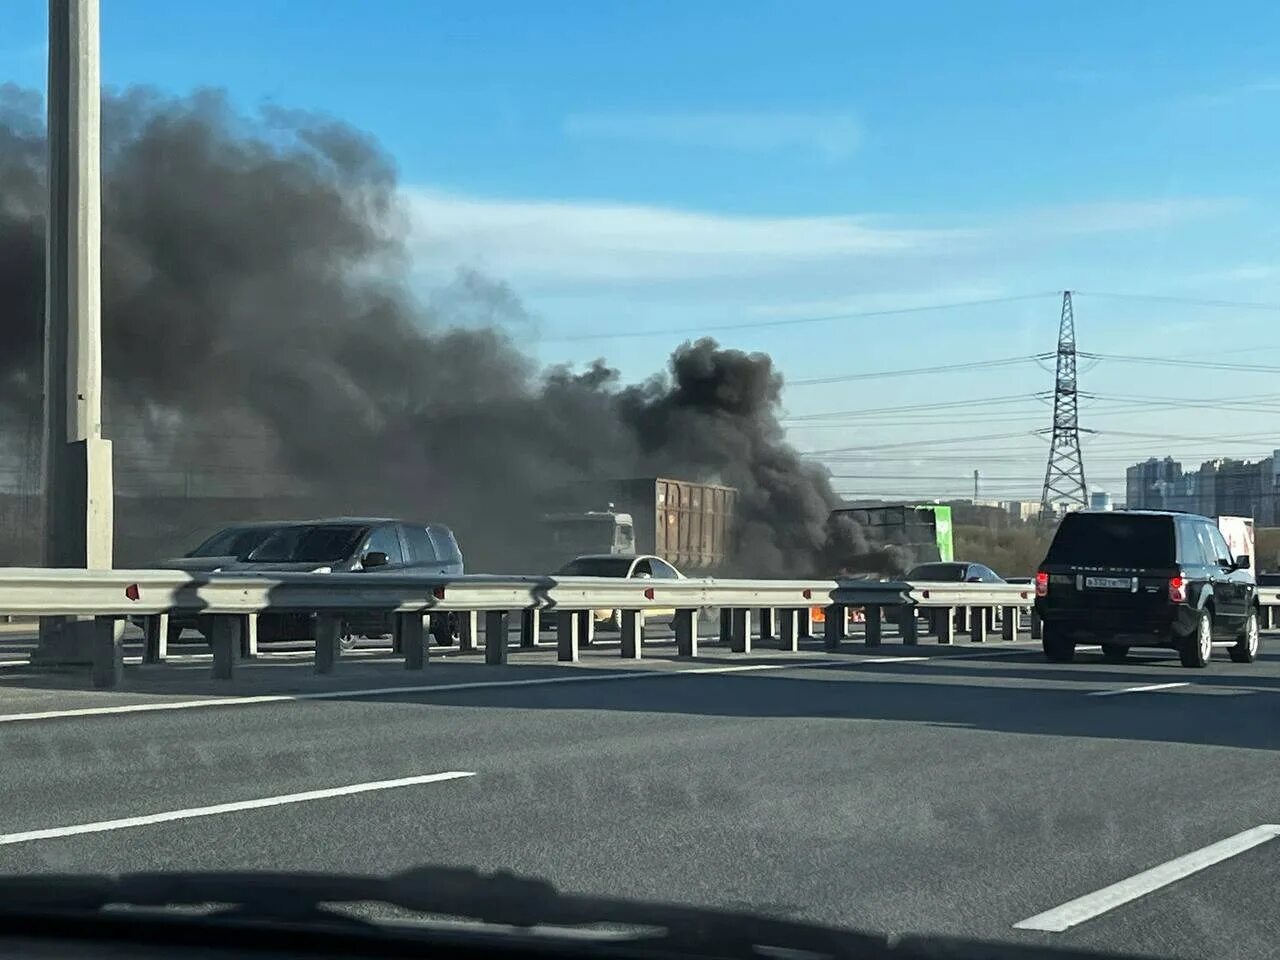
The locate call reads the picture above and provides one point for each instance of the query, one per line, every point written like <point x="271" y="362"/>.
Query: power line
<point x="917" y="371"/>
<point x="1183" y="301"/>
<point x="945" y="404"/>
<point x="1182" y="362"/>
<point x="790" y="321"/>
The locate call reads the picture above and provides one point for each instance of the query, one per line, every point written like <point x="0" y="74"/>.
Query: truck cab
<point x="591" y="532"/>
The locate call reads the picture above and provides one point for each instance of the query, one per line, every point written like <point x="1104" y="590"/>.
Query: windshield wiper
<point x="500" y="899"/>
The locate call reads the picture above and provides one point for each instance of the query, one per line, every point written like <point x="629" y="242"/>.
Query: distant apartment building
<point x="1021" y="509"/>
<point x="1218" y="488"/>
<point x="1100" y="500"/>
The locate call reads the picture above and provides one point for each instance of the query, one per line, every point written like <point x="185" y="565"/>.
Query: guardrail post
<point x="495" y="636"/>
<point x="1268" y="618"/>
<point x="804" y="626"/>
<point x="155" y="644"/>
<point x="530" y="623"/>
<point x="1037" y="625"/>
<point x="978" y="624"/>
<point x="1009" y="629"/>
<point x="586" y="627"/>
<point x="411" y="639"/>
<point x="767" y="621"/>
<point x="962" y="618"/>
<point x="224" y="641"/>
<point x="726" y="625"/>
<point x="249" y="636"/>
<point x="788" y="630"/>
<point x="567" y="636"/>
<point x="740" y="639"/>
<point x="946" y="621"/>
<point x="908" y="626"/>
<point x="873" y="624"/>
<point x="108" y="654"/>
<point x="834" y="626"/>
<point x="686" y="628"/>
<point x="327" y="627"/>
<point x="632" y="634"/>
<point x="468" y="627"/>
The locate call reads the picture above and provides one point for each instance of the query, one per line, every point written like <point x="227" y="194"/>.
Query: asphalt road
<point x="960" y="790"/>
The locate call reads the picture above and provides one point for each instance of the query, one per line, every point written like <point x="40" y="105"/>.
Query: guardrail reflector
<point x="438" y="593"/>
<point x="807" y="594"/>
<point x="648" y="593"/>
<point x="131" y="591"/>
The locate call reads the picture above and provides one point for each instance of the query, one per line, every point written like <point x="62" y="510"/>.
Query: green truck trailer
<point x="925" y="528"/>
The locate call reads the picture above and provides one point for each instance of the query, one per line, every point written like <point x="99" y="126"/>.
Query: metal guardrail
<point x="233" y="602"/>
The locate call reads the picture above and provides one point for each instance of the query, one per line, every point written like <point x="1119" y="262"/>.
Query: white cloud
<point x="591" y="242"/>
<point x="1113" y="216"/>
<point x="831" y="136"/>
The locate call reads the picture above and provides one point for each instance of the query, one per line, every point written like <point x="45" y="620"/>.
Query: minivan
<point x="1136" y="578"/>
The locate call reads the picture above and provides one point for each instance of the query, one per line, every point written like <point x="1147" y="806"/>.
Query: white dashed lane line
<point x="1144" y="688"/>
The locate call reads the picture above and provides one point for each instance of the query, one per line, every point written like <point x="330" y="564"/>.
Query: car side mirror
<point x="374" y="558"/>
<point x="1243" y="562"/>
<point x="974" y="580"/>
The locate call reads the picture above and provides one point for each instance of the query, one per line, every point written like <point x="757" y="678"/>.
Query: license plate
<point x="1108" y="583"/>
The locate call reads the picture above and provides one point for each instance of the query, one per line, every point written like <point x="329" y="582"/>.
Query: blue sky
<point x="677" y="165"/>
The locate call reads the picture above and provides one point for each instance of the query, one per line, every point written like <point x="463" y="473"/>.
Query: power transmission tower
<point x="1064" y="475"/>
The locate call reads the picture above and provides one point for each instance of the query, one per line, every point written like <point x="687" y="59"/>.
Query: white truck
<point x="1238" y="532"/>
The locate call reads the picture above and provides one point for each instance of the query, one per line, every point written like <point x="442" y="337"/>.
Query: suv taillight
<point x="1042" y="584"/>
<point x="1177" y="590"/>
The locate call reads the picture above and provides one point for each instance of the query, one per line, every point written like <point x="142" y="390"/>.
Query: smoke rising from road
<point x="258" y="323"/>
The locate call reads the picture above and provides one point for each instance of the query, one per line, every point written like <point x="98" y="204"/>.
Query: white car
<point x="641" y="567"/>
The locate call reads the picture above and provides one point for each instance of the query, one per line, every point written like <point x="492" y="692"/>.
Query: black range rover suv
<point x="1133" y="578"/>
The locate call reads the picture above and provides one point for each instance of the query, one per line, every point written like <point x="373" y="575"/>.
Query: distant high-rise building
<point x="1220" y="487"/>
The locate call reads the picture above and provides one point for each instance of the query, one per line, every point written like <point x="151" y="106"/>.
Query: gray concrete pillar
<point x="910" y="628"/>
<point x="567" y="622"/>
<point x="155" y="641"/>
<point x="411" y="639"/>
<point x="327" y="648"/>
<point x="224" y="641"/>
<point x="834" y="626"/>
<point x="946" y="625"/>
<point x="530" y="624"/>
<point x="632" y="634"/>
<point x="788" y="630"/>
<point x="108" y="654"/>
<point x="686" y="628"/>
<point x="1037" y="625"/>
<point x="874" y="624"/>
<point x="1009" y="625"/>
<point x="495" y="636"/>
<point x="740" y="636"/>
<point x="978" y="624"/>
<point x="468" y="627"/>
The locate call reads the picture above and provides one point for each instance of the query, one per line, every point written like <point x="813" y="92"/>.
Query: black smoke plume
<point x="259" y="332"/>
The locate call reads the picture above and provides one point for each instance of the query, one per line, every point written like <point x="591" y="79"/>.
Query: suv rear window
<point x="1113" y="540"/>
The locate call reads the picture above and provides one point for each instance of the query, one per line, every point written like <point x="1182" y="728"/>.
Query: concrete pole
<point x="77" y="460"/>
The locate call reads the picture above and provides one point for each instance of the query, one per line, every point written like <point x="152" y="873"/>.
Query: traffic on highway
<point x="673" y="481"/>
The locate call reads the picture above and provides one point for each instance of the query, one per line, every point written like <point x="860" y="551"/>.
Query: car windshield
<point x="236" y="542"/>
<point x="596" y="567"/>
<point x="301" y="544"/>
<point x="1115" y="540"/>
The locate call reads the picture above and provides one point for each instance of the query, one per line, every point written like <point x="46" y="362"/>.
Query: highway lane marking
<point x="1108" y="898"/>
<point x="1144" y="688"/>
<point x="892" y="659"/>
<point x="416" y="688"/>
<point x="103" y="826"/>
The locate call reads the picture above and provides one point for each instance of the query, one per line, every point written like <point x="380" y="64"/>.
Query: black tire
<point x="1058" y="648"/>
<point x="1195" y="651"/>
<point x="444" y="630"/>
<point x="1115" y="652"/>
<point x="1246" y="648"/>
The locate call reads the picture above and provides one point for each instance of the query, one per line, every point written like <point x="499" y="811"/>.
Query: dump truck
<point x="690" y="525"/>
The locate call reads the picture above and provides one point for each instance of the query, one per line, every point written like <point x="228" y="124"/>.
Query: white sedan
<point x="641" y="567"/>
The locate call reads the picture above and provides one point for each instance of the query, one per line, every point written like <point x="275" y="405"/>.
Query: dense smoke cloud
<point x="254" y="287"/>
